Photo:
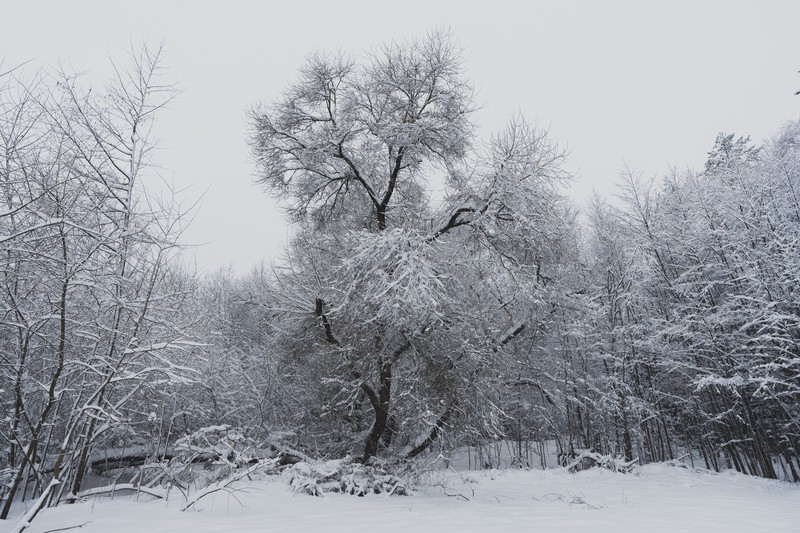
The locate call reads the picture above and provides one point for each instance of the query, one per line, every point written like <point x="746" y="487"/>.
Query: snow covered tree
<point x="712" y="315"/>
<point x="397" y="305"/>
<point x="89" y="320"/>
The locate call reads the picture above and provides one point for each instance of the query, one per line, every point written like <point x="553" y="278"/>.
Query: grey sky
<point x="639" y="83"/>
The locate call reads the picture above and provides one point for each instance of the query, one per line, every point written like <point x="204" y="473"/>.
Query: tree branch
<point x="319" y="311"/>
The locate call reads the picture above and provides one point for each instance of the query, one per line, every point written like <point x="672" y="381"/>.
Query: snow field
<point x="657" y="499"/>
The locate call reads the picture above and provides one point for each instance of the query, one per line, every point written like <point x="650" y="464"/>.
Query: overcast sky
<point x="639" y="83"/>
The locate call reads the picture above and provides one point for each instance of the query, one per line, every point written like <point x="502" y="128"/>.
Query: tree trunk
<point x="381" y="412"/>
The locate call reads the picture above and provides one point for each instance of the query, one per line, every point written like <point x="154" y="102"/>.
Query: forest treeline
<point x="662" y="323"/>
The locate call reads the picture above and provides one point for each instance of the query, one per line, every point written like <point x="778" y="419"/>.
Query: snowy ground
<point x="657" y="499"/>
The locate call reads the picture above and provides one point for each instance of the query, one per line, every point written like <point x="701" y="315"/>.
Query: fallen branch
<point x="28" y="517"/>
<point x="67" y="528"/>
<point x="158" y="493"/>
<point x="225" y="483"/>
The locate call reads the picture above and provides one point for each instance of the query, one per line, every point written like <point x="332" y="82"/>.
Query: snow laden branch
<point x="513" y="188"/>
<point x="394" y="277"/>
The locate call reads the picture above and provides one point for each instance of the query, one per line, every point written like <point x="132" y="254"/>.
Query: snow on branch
<point x="394" y="277"/>
<point x="509" y="335"/>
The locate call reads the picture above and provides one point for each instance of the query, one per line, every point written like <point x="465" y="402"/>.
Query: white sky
<point x="638" y="83"/>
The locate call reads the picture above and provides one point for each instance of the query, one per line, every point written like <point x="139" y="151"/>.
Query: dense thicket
<point x="90" y="305"/>
<point x="677" y="334"/>
<point x="663" y="325"/>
